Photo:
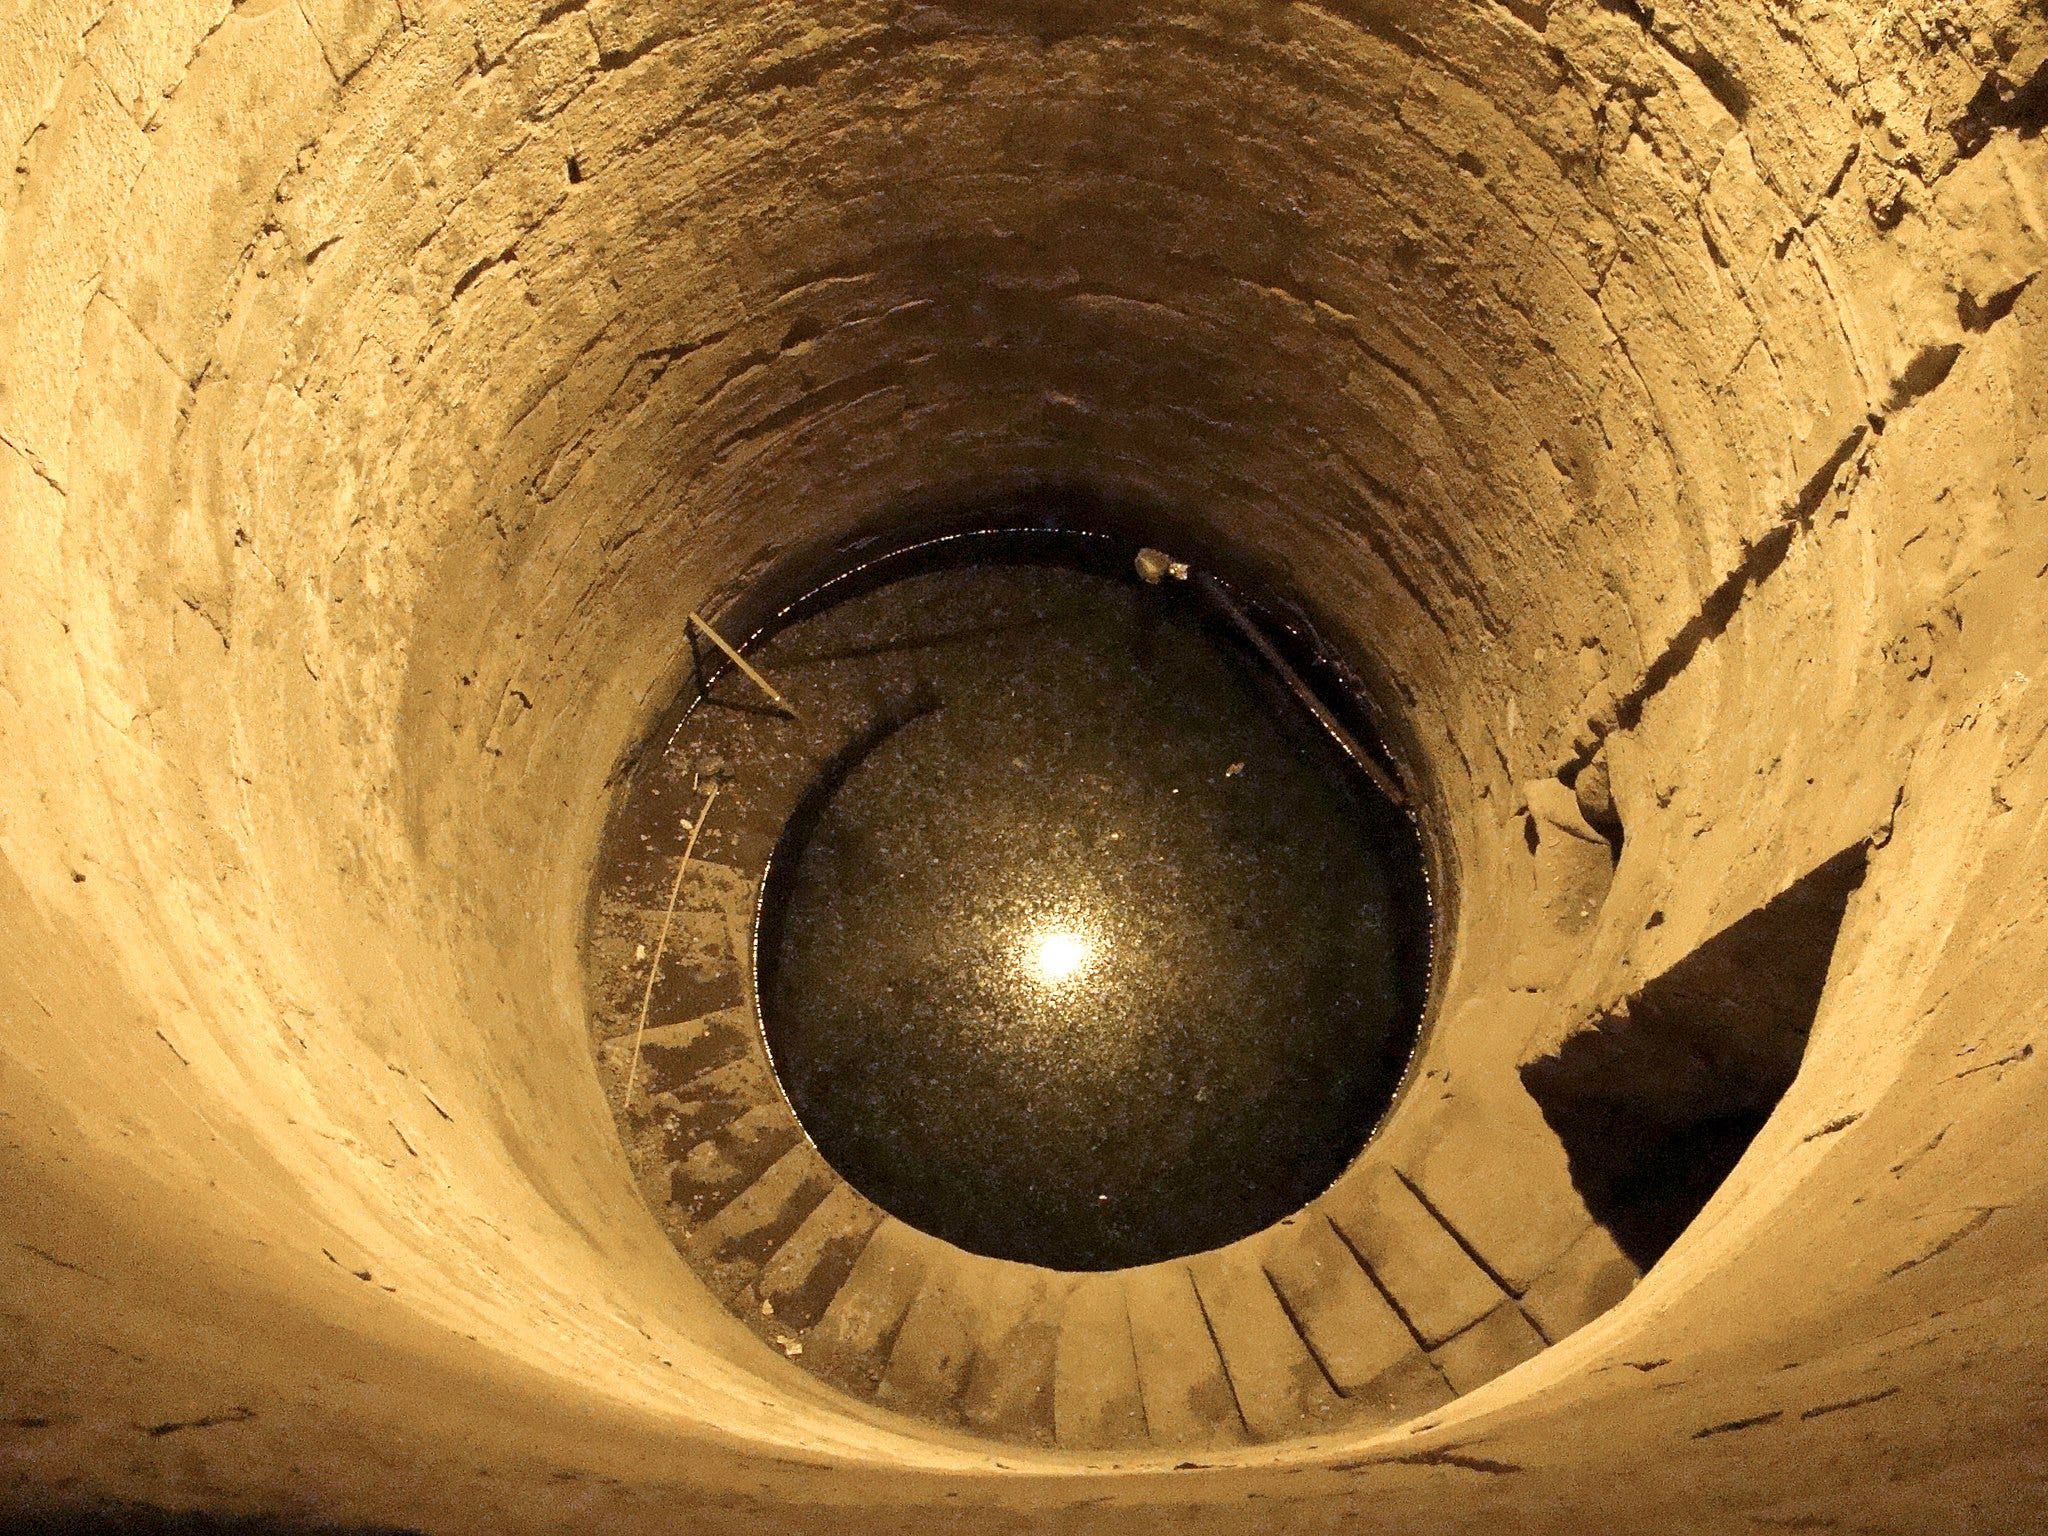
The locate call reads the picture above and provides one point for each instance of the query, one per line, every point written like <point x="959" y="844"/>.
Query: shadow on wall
<point x="1656" y="1101"/>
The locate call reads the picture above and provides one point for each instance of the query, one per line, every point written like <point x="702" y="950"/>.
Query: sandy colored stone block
<point x="852" y="1340"/>
<point x="60" y="228"/>
<point x="1009" y="1387"/>
<point x="928" y="1363"/>
<point x="142" y="48"/>
<point x="805" y="1273"/>
<point x="630" y="28"/>
<point x="1428" y="1277"/>
<point x="1574" y="866"/>
<point x="1188" y="1400"/>
<point x="37" y="511"/>
<point x="1498" y="1342"/>
<point x="1592" y="1276"/>
<point x="1097" y="1402"/>
<point x="350" y="30"/>
<point x="1826" y="402"/>
<point x="1744" y="217"/>
<point x="497" y="27"/>
<point x="1494" y="1174"/>
<point x="1280" y="1389"/>
<point x="1357" y="1337"/>
<point x="746" y="1232"/>
<point x="550" y="66"/>
<point x="257" y="90"/>
<point x="1411" y="1388"/>
<point x="129" y="409"/>
<point x="39" y="45"/>
<point x="739" y="1145"/>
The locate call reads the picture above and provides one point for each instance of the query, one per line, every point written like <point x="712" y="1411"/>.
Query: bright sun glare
<point x="1060" y="955"/>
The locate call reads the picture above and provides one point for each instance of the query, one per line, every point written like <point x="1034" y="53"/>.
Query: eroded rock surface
<point x="382" y="382"/>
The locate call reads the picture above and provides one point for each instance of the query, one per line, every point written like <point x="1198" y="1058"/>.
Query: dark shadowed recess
<point x="1658" y="1101"/>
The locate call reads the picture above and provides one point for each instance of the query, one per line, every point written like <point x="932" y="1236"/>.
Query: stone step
<point x="1496" y="1174"/>
<point x="1419" y="1264"/>
<point x="683" y="1057"/>
<point x="740" y="1078"/>
<point x="1279" y="1387"/>
<point x="1498" y="1342"/>
<point x="1009" y="1391"/>
<point x="1188" y="1401"/>
<point x="851" y="1342"/>
<point x="928" y="1364"/>
<point x="1097" y="1402"/>
<point x="801" y="1277"/>
<point x="1410" y="1389"/>
<point x="1591" y="1276"/>
<point x="707" y="1178"/>
<point x="733" y="1245"/>
<point x="1354" y="1333"/>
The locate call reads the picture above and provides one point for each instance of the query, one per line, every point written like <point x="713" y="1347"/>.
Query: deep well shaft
<point x="1646" y="402"/>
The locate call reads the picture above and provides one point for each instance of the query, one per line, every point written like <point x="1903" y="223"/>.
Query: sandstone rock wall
<point x="382" y="380"/>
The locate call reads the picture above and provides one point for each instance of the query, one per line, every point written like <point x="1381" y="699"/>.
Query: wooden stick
<point x="661" y="942"/>
<point x="1348" y="744"/>
<point x="741" y="662"/>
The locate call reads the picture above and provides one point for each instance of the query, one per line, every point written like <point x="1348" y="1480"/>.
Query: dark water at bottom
<point x="1091" y="949"/>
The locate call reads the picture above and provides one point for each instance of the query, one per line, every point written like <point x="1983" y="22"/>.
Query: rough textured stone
<point x="1275" y="1378"/>
<point x="1657" y="379"/>
<point x="1499" y="1340"/>
<point x="1418" y="1262"/>
<point x="1356" y="1335"/>
<point x="1096" y="1399"/>
<point x="1187" y="1395"/>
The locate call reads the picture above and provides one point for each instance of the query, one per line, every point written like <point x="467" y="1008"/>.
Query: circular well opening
<point x="1086" y="946"/>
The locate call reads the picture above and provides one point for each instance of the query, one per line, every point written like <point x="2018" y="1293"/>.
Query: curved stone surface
<point x="1654" y="394"/>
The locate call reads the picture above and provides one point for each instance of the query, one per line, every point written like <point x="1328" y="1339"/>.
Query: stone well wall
<point x="381" y="381"/>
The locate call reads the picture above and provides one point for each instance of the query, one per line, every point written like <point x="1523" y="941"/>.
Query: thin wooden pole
<point x="661" y="942"/>
<point x="1348" y="744"/>
<point x="741" y="662"/>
